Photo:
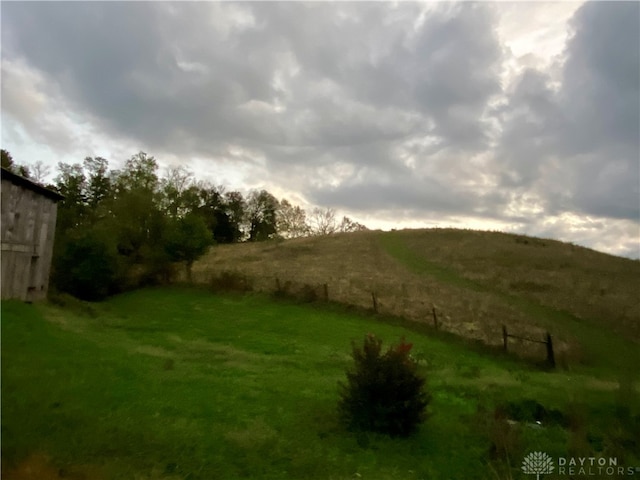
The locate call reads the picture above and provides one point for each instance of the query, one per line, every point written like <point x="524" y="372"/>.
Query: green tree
<point x="9" y="164"/>
<point x="7" y="160"/>
<point x="140" y="173"/>
<point x="261" y="215"/>
<point x="98" y="183"/>
<point x="218" y="214"/>
<point x="149" y="221"/>
<point x="292" y="221"/>
<point x="235" y="206"/>
<point x="136" y="206"/>
<point x="348" y="225"/>
<point x="86" y="265"/>
<point x="187" y="239"/>
<point x="137" y="218"/>
<point x="73" y="210"/>
<point x="179" y="192"/>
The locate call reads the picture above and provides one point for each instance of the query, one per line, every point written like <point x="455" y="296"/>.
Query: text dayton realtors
<point x="592" y="466"/>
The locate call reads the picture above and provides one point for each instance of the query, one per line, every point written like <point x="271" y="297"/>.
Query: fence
<point x="407" y="301"/>
<point x="548" y="342"/>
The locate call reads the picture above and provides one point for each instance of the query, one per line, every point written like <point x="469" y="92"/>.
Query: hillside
<point x="476" y="281"/>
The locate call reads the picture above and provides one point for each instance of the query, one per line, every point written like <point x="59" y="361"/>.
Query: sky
<point x="511" y="116"/>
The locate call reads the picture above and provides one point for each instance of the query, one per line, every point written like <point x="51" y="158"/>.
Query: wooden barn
<point x="28" y="228"/>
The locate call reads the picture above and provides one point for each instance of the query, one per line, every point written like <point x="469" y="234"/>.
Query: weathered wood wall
<point x="27" y="233"/>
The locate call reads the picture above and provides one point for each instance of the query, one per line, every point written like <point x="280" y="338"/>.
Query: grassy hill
<point x="475" y="281"/>
<point x="177" y="384"/>
<point x="182" y="383"/>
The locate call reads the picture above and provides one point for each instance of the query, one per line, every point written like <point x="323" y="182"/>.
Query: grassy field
<point x="167" y="384"/>
<point x="476" y="281"/>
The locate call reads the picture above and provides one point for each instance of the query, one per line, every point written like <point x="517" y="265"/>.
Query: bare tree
<point x="178" y="177"/>
<point x="323" y="221"/>
<point x="39" y="172"/>
<point x="179" y="191"/>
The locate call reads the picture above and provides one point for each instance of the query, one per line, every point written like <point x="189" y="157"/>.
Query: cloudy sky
<point x="520" y="117"/>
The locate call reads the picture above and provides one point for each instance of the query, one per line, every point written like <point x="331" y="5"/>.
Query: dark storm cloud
<point x="458" y="61"/>
<point x="143" y="70"/>
<point x="344" y="74"/>
<point x="530" y="122"/>
<point x="385" y="83"/>
<point x="601" y="90"/>
<point x="578" y="146"/>
<point x="602" y="77"/>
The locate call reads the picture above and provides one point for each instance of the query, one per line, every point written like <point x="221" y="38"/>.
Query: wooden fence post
<point x="504" y="337"/>
<point x="435" y="318"/>
<point x="326" y="292"/>
<point x="375" y="302"/>
<point x="278" y="288"/>
<point x="551" y="359"/>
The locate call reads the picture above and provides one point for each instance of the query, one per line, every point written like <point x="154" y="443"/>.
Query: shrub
<point x="384" y="392"/>
<point x="187" y="239"/>
<point x="86" y="266"/>
<point x="155" y="268"/>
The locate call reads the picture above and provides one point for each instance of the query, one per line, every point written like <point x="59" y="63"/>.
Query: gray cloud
<point x="367" y="107"/>
<point x="601" y="94"/>
<point x="133" y="68"/>
<point x="578" y="146"/>
<point x="32" y="108"/>
<point x="458" y="73"/>
<point x="602" y="77"/>
<point x="145" y="70"/>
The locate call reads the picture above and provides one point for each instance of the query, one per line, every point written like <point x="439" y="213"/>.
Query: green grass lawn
<point x="184" y="384"/>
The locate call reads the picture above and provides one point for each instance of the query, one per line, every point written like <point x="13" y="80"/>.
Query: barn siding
<point x="28" y="215"/>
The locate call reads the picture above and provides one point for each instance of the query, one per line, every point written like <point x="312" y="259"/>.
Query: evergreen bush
<point x="384" y="392"/>
<point x="86" y="265"/>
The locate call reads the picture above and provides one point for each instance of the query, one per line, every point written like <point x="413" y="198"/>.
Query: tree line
<point x="120" y="229"/>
